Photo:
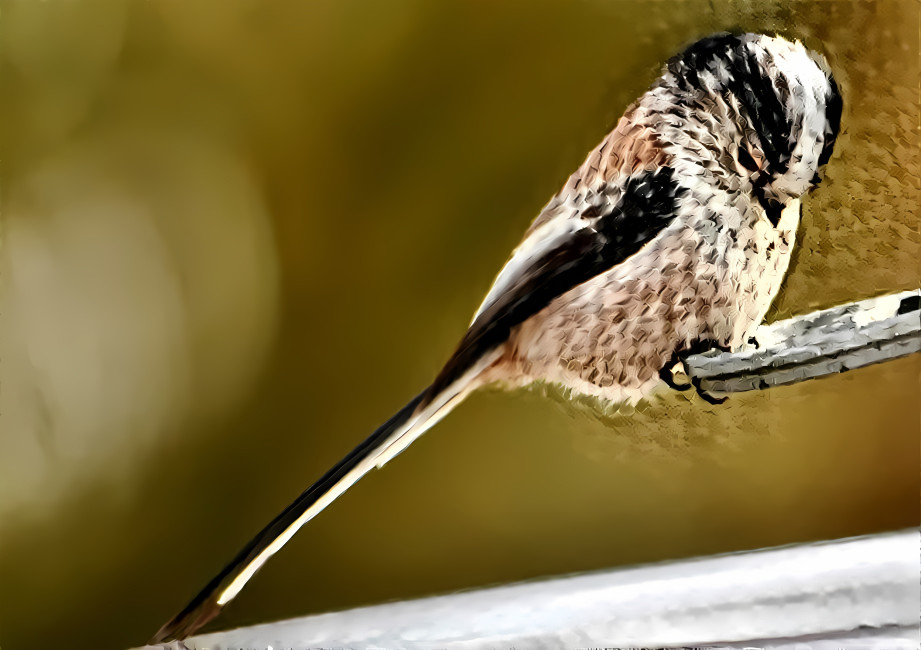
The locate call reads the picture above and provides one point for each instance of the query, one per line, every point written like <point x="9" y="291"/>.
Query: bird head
<point x="776" y="101"/>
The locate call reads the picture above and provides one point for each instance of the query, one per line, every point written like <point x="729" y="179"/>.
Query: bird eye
<point x="745" y="159"/>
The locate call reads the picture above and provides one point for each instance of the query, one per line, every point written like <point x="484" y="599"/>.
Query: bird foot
<point x="675" y="373"/>
<point x="705" y="395"/>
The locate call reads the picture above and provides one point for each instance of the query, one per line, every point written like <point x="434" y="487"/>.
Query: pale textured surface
<point x="858" y="593"/>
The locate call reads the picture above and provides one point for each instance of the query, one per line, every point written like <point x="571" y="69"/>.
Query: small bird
<point x="673" y="235"/>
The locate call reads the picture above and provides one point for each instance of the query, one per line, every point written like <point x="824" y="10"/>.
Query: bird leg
<point x="667" y="374"/>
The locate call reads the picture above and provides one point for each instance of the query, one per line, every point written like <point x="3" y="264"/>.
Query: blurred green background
<point x="239" y="234"/>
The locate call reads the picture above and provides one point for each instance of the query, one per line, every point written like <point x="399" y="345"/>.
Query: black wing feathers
<point x="646" y="207"/>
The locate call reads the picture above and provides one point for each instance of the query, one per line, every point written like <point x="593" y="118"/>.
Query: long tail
<point x="389" y="440"/>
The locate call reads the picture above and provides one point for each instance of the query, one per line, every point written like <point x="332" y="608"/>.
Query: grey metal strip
<point x="814" y="345"/>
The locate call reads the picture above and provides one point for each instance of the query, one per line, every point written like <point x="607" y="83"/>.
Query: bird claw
<point x="667" y="374"/>
<point x="706" y="395"/>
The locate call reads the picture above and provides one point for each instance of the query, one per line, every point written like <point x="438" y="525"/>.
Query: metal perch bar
<point x="854" y="593"/>
<point x="813" y="345"/>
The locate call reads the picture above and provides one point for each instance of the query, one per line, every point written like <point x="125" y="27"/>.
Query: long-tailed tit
<point x="675" y="232"/>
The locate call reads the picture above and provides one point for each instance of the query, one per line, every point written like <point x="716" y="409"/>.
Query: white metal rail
<point x="855" y="593"/>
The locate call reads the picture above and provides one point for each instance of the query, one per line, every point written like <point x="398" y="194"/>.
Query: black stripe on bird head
<point x="731" y="62"/>
<point x="833" y="108"/>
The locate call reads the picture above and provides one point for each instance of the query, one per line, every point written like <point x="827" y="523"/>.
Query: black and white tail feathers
<point x="391" y="438"/>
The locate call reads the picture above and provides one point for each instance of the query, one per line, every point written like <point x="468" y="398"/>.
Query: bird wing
<point x="566" y="249"/>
